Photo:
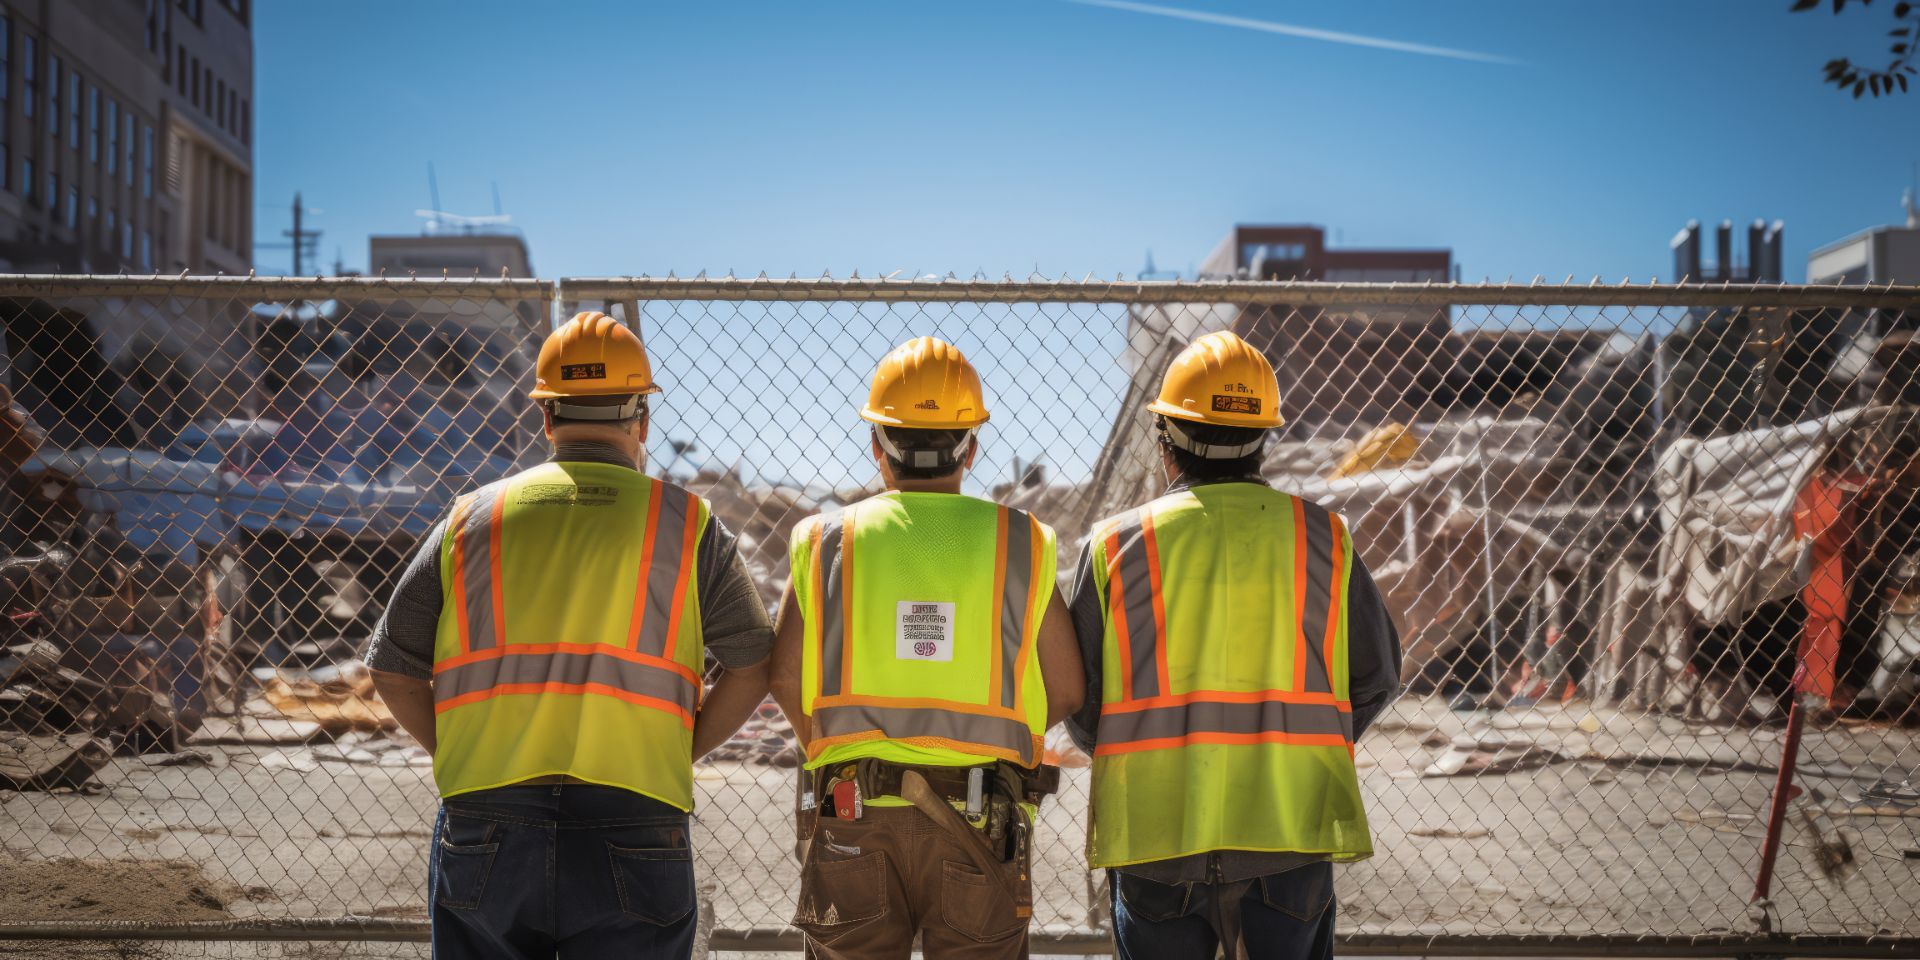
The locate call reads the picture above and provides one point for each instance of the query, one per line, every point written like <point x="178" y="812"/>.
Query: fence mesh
<point x="1618" y="529"/>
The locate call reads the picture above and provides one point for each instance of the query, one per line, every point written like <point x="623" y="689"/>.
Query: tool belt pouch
<point x="880" y="778"/>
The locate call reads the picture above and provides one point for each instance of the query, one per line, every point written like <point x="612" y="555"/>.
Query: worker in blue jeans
<point x="546" y="645"/>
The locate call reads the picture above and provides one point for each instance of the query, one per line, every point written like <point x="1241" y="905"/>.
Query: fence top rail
<point x="1282" y="293"/>
<point x="20" y="286"/>
<point x="1286" y="293"/>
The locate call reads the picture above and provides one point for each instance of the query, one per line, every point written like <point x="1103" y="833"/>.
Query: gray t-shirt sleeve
<point x="1089" y="628"/>
<point x="402" y="641"/>
<point x="733" y="620"/>
<point x="1373" y="649"/>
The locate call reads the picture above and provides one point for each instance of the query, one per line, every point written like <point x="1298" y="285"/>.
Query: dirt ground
<point x="1579" y="823"/>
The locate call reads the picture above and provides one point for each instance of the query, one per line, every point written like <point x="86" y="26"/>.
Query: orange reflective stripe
<point x="1229" y="696"/>
<point x="1333" y="603"/>
<point x="1300" y="551"/>
<point x="995" y="679"/>
<point x="496" y="527"/>
<point x="648" y="533"/>
<point x="1031" y="622"/>
<point x="847" y="535"/>
<point x="542" y="649"/>
<point x="1231" y="739"/>
<point x="688" y="547"/>
<point x="1117" y="615"/>
<point x="460" y="570"/>
<point x="1159" y="601"/>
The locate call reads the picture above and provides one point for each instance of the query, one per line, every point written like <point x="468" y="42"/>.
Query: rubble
<point x="50" y="761"/>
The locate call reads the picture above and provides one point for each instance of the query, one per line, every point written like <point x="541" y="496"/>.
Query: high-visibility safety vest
<point x="1225" y="719"/>
<point x="569" y="640"/>
<point x="922" y="610"/>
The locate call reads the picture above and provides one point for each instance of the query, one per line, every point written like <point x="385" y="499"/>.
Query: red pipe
<point x="1783" y="791"/>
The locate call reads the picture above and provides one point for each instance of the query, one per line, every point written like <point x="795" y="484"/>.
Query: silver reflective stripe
<point x="831" y="591"/>
<point x="586" y="665"/>
<point x="1319" y="600"/>
<point x="906" y="723"/>
<point x="476" y="559"/>
<point x="1269" y="716"/>
<point x="1013" y="602"/>
<point x="663" y="568"/>
<point x="1136" y="595"/>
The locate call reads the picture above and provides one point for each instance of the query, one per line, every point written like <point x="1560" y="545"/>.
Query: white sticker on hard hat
<point x="924" y="631"/>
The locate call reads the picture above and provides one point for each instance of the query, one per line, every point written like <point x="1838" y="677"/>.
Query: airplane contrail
<point x="1290" y="30"/>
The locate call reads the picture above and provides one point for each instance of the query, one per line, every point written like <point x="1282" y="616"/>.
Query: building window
<point x="193" y="8"/>
<point x="30" y="53"/>
<point x="93" y="124"/>
<point x="146" y="161"/>
<point x="113" y="136"/>
<point x="206" y="86"/>
<point x="53" y="96"/>
<point x="113" y="226"/>
<point x="133" y="146"/>
<point x="73" y="207"/>
<point x="6" y="166"/>
<point x="146" y="250"/>
<point x="126" y="239"/>
<point x="53" y="191"/>
<point x="238" y="7"/>
<point x="153" y="26"/>
<point x="220" y="103"/>
<point x="6" y="53"/>
<point x="180" y="68"/>
<point x="246" y="122"/>
<point x="93" y="209"/>
<point x="195" y="72"/>
<point x="73" y="121"/>
<point x="26" y="180"/>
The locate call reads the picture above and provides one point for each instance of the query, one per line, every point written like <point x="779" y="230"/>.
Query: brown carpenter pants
<point x="868" y="885"/>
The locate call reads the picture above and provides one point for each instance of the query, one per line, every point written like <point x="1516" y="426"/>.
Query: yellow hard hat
<point x="592" y="355"/>
<point x="1222" y="380"/>
<point x="925" y="384"/>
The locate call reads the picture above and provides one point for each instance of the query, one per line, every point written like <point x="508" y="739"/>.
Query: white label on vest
<point x="924" y="631"/>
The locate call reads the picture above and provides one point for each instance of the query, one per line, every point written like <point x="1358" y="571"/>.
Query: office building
<point x="126" y="136"/>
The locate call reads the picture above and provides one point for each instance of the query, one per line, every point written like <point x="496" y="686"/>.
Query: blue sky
<point x="1008" y="134"/>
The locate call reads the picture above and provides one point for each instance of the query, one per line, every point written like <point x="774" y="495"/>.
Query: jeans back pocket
<point x="655" y="884"/>
<point x="465" y="859"/>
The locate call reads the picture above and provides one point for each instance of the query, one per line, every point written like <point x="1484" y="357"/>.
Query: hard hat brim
<point x="871" y="415"/>
<point x="1166" y="409"/>
<point x="548" y="393"/>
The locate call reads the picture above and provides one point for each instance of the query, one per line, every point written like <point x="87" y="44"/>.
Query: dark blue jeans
<point x="573" y="871"/>
<point x="1283" y="916"/>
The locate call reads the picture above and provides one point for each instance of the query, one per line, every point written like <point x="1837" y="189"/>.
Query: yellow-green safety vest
<point x="922" y="611"/>
<point x="1225" y="719"/>
<point x="569" y="639"/>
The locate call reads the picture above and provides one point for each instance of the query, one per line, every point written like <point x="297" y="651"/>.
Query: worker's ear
<point x="646" y="423"/>
<point x="873" y="444"/>
<point x="546" y="420"/>
<point x="973" y="450"/>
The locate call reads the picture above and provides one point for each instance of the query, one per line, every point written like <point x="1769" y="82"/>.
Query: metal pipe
<point x="1783" y="791"/>
<point x="1287" y="293"/>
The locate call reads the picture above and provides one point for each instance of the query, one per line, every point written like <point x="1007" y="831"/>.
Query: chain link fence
<point x="1620" y="527"/>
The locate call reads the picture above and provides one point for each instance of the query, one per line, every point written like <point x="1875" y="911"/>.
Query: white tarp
<point x="1726" y="507"/>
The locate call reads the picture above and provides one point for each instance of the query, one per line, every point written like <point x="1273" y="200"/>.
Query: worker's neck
<point x="608" y="438"/>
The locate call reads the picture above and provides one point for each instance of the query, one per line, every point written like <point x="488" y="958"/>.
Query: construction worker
<point x="921" y="654"/>
<point x="545" y="645"/>
<point x="1235" y="648"/>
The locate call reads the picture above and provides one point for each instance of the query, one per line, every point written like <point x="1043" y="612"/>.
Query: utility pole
<point x="301" y="238"/>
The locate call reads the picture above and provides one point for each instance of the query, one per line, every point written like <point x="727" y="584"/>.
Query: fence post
<point x="1783" y="791"/>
